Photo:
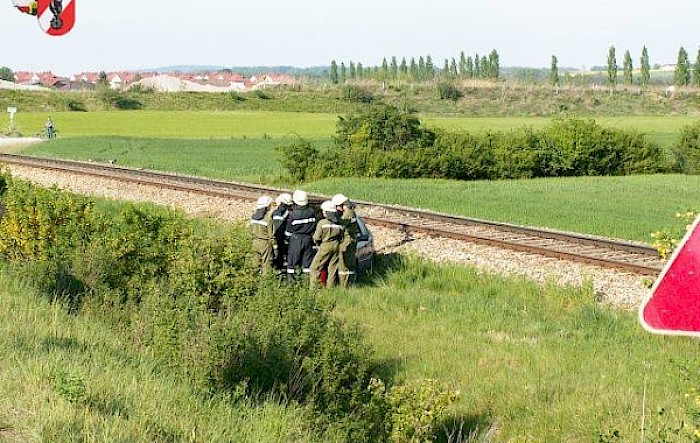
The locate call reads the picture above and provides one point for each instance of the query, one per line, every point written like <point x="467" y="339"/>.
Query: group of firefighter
<point x="290" y="237"/>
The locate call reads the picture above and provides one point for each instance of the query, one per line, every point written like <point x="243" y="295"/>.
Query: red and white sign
<point x="56" y="17"/>
<point x="673" y="306"/>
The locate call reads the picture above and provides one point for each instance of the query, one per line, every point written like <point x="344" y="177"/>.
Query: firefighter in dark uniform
<point x="263" y="232"/>
<point x="279" y="219"/>
<point x="301" y="224"/>
<point x="347" y="266"/>
<point x="328" y="235"/>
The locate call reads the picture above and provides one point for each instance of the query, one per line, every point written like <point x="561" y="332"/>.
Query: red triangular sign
<point x="673" y="306"/>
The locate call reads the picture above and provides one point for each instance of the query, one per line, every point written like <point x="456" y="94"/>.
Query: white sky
<point x="131" y="34"/>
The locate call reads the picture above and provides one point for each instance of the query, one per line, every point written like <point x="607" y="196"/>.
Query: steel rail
<point x="623" y="255"/>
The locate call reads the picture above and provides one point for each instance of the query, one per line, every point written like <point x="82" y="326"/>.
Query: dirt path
<point x="9" y="145"/>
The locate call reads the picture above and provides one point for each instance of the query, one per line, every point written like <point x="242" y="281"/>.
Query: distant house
<point x="115" y="82"/>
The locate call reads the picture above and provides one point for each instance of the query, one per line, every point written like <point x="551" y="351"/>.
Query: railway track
<point x="627" y="256"/>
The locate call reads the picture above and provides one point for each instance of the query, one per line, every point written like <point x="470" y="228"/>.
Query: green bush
<point x="356" y="94"/>
<point x="76" y="106"/>
<point x="383" y="129"/>
<point x="448" y="91"/>
<point x="389" y="143"/>
<point x="39" y="223"/>
<point x="298" y="158"/>
<point x="686" y="150"/>
<point x="416" y="408"/>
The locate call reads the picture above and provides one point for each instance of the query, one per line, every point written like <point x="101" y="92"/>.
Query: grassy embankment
<point x="71" y="378"/>
<point x="479" y="98"/>
<point x="532" y="364"/>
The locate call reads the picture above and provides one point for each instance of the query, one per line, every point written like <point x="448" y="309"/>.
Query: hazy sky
<point x="130" y="34"/>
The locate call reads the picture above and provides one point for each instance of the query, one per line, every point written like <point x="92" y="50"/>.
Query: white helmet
<point x="284" y="198"/>
<point x="327" y="206"/>
<point x="300" y="197"/>
<point x="339" y="199"/>
<point x="264" y="202"/>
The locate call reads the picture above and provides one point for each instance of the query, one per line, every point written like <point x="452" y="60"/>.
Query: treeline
<point x="191" y="299"/>
<point x="685" y="73"/>
<point x="422" y="69"/>
<point x="387" y="142"/>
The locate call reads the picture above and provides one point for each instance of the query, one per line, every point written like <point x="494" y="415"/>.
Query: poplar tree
<point x="681" y="76"/>
<point x="352" y="71"/>
<point x="494" y="65"/>
<point x="612" y="67"/>
<point x="429" y="68"/>
<point x="421" y="69"/>
<point x="403" y="67"/>
<point x="413" y="69"/>
<point x="645" y="68"/>
<point x="384" y="73"/>
<point x="394" y="68"/>
<point x="554" y="72"/>
<point x="333" y="73"/>
<point x="343" y="73"/>
<point x="477" y="65"/>
<point x="627" y="69"/>
<point x="453" y="68"/>
<point x="462" y="65"/>
<point x="470" y="67"/>
<point x="696" y="70"/>
<point x="485" y="66"/>
<point x="360" y="70"/>
<point x="445" y="72"/>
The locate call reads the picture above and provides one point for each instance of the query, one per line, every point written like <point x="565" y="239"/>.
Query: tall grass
<point x="65" y="378"/>
<point x="536" y="364"/>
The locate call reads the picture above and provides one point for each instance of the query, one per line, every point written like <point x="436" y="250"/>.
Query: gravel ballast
<point x="619" y="289"/>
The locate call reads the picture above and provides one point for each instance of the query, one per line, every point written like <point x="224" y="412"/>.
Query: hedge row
<point x="193" y="301"/>
<point x="391" y="143"/>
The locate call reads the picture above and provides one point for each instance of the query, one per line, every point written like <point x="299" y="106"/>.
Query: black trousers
<point x="282" y="251"/>
<point x="301" y="253"/>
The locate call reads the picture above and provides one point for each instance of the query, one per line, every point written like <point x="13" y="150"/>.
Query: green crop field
<point x="258" y="124"/>
<point x="179" y="124"/>
<point x="629" y="207"/>
<point x="238" y="159"/>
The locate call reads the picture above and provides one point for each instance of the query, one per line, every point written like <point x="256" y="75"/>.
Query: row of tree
<point x="685" y="73"/>
<point x="424" y="69"/>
